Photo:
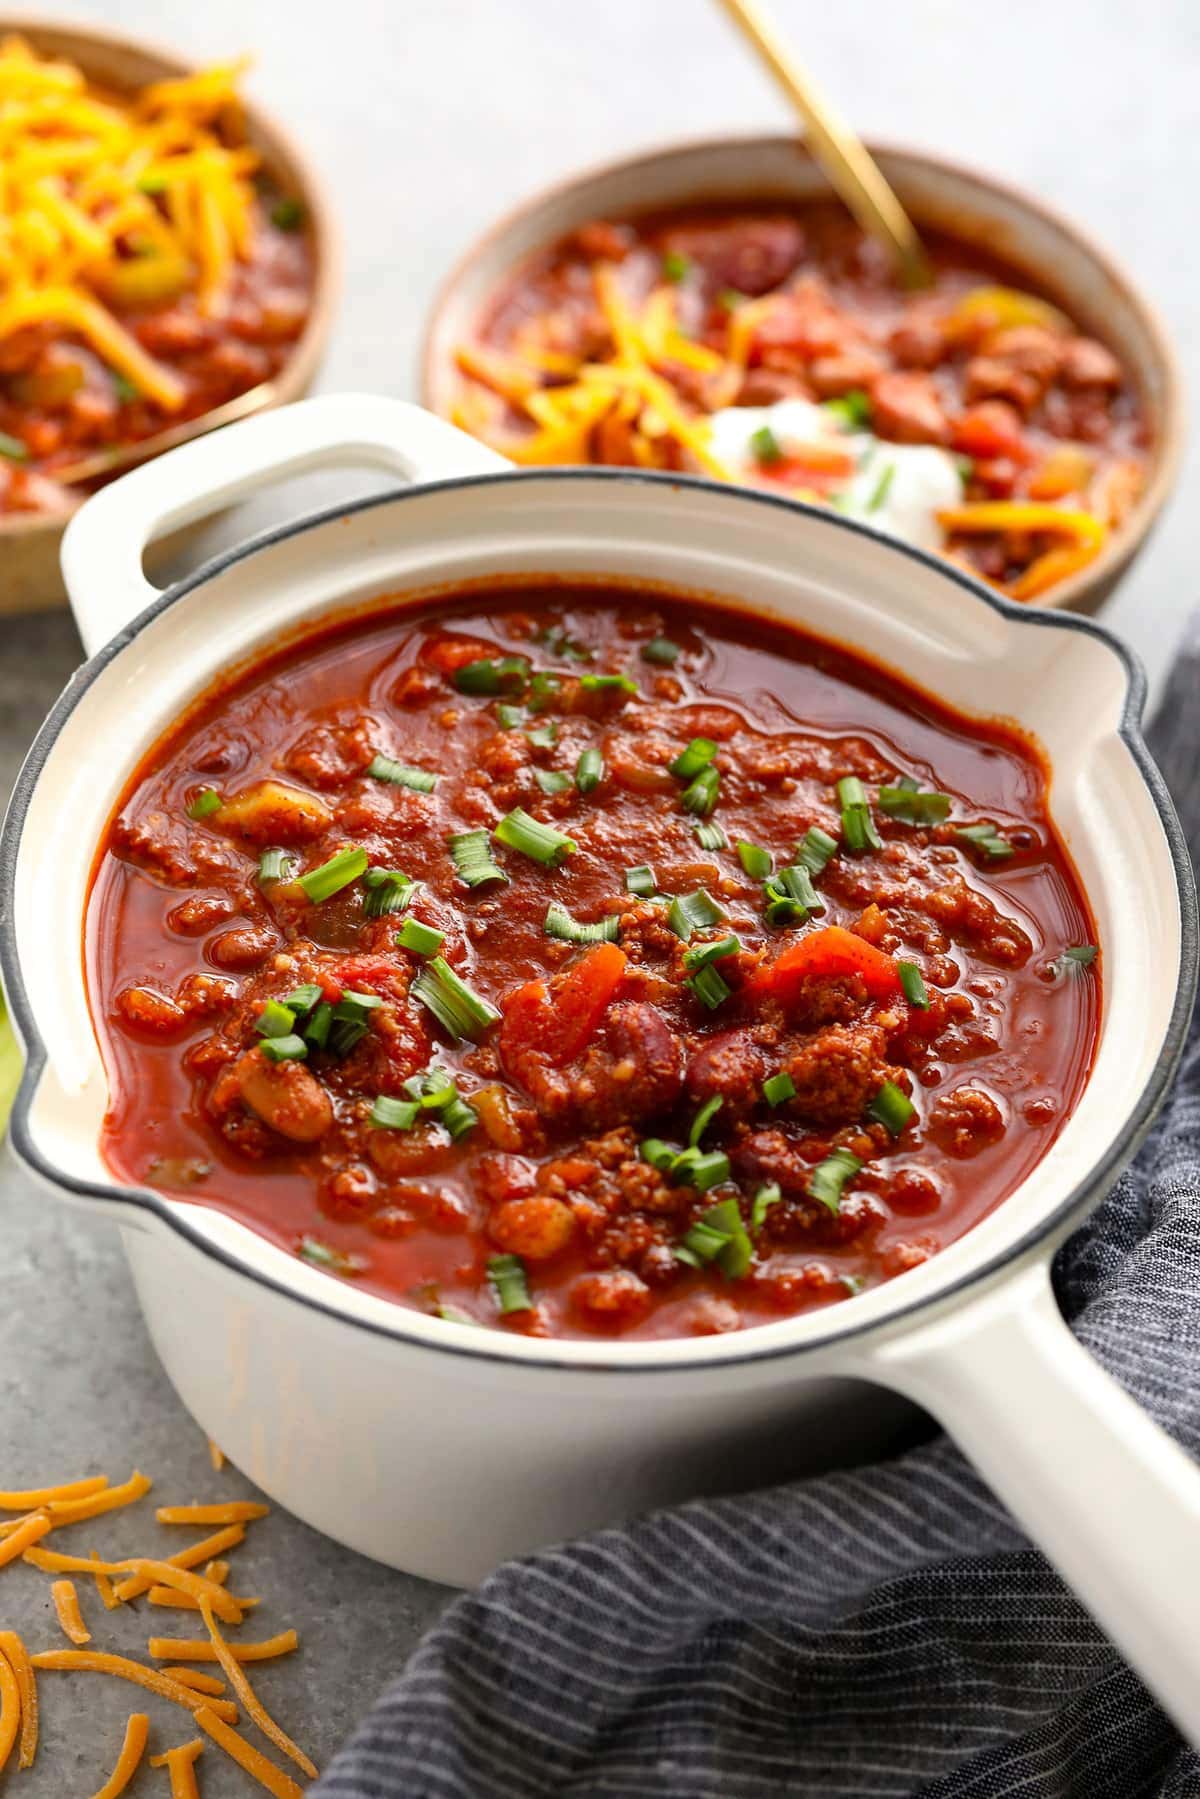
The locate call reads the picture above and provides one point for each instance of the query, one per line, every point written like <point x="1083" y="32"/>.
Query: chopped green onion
<point x="552" y="780"/>
<point x="493" y="674"/>
<point x="766" y="445"/>
<point x="703" y="1171"/>
<point x="913" y="984"/>
<point x="966" y="468"/>
<point x="709" y="834"/>
<point x="882" y="488"/>
<point x="815" y="849"/>
<point x="452" y="1315"/>
<point x="543" y="737"/>
<point x="778" y="1088"/>
<point x="829" y="1177"/>
<point x="1074" y="961"/>
<point x="322" y="883"/>
<point x="709" y="987"/>
<point x="719" y="1236"/>
<point x="791" y="896"/>
<point x="289" y="1048"/>
<point x="559" y="923"/>
<point x="544" y="689"/>
<point x="541" y="842"/>
<point x="323" y="1256"/>
<point x="349" y="1020"/>
<point x="853" y="410"/>
<point x="560" y="643"/>
<point x="703" y="1119"/>
<point x="768" y="1195"/>
<point x="660" y="1155"/>
<point x="757" y="862"/>
<point x="275" y="1020"/>
<point x="729" y="299"/>
<point x="459" y="1010"/>
<point x="675" y="267"/>
<point x="388" y="890"/>
<point x="589" y="770"/>
<point x="907" y="801"/>
<point x="382" y="768"/>
<point x="205" y="803"/>
<point x="275" y="865"/>
<point x="691" y="912"/>
<point x="660" y="650"/>
<point x="458" y="1117"/>
<point x="126" y="391"/>
<point x="987" y="840"/>
<point x="12" y="449"/>
<point x="698" y="754"/>
<point x="420" y="938"/>
<point x="607" y="684"/>
<point x="318" y="1026"/>
<point x="394" y="1114"/>
<point x="701" y="795"/>
<point x="303" y="999"/>
<point x="858" y="827"/>
<point x="471" y="853"/>
<point x="641" y="881"/>
<point x="508" y="716"/>
<point x="704" y="953"/>
<point x="288" y="214"/>
<point x="892" y="1107"/>
<point x="507" y="1275"/>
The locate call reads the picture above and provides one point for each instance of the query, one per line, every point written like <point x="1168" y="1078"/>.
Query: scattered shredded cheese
<point x="180" y="1764"/>
<point x="255" y="1763"/>
<point x="129" y="1760"/>
<point x="195" y="1649"/>
<point x="66" y="1605"/>
<point x="93" y="1661"/>
<point x="15" y="1653"/>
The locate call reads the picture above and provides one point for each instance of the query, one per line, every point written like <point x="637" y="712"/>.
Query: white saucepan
<point x="441" y="1448"/>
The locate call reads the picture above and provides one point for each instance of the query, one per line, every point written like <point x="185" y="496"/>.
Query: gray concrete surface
<point x="429" y="117"/>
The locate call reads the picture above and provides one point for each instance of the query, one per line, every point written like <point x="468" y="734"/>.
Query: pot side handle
<point x="104" y="543"/>
<point x="1112" y="1501"/>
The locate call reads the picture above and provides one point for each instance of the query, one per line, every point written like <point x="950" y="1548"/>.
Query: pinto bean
<point x="285" y="1095"/>
<point x="535" y="1228"/>
<point x="271" y="812"/>
<point x="148" y="1010"/>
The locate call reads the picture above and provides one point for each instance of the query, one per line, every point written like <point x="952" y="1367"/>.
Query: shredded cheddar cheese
<point x="129" y="1760"/>
<point x="236" y="1511"/>
<point x="231" y="1663"/>
<point x="66" y="1605"/>
<point x="13" y="1650"/>
<point x="107" y="201"/>
<point x="180" y="1764"/>
<point x="255" y="1763"/>
<point x="95" y="1662"/>
<point x="10" y="1709"/>
<point x="35" y="1496"/>
<point x="195" y="1649"/>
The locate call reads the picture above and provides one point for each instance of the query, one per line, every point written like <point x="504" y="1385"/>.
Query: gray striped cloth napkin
<point x="872" y="1634"/>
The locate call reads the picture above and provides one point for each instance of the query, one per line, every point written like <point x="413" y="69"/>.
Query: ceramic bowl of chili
<point x="710" y="307"/>
<point x="68" y="396"/>
<point x="291" y="811"/>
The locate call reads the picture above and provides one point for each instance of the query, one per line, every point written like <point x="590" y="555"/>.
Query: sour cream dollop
<point x="904" y="502"/>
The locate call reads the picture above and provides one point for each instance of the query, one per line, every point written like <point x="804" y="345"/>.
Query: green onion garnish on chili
<point x="543" y="737"/>
<point x="892" y="1107"/>
<point x="912" y="984"/>
<point x="703" y="1119"/>
<point x="492" y="675"/>
<point x="303" y="999"/>
<point x="508" y="716"/>
<point x="858" y="827"/>
<point x="908" y="802"/>
<point x="318" y="1026"/>
<point x="698" y="754"/>
<point x="420" y="938"/>
<point x="705" y="953"/>
<point x="394" y="1114"/>
<point x="458" y="1117"/>
<point x="660" y="650"/>
<point x="766" y="445"/>
<point x="756" y="861"/>
<point x="382" y="768"/>
<point x="710" y="988"/>
<point x="853" y="409"/>
<point x="882" y="488"/>
<point x="204" y="803"/>
<point x="12" y="449"/>
<point x="459" y="1010"/>
<point x="778" y="1089"/>
<point x="691" y="912"/>
<point x="675" y="267"/>
<point x="349" y="1020"/>
<point x="387" y="890"/>
<point x="276" y="865"/>
<point x="507" y="1275"/>
<point x="589" y="770"/>
<point x="531" y="838"/>
<point x="552" y="780"/>
<point x="768" y="1195"/>
<point x="275" y="1020"/>
<point x="322" y="1255"/>
<point x="471" y="853"/>
<point x="641" y="881"/>
<point x="284" y="1049"/>
<point x="623" y="684"/>
<point x="709" y="834"/>
<point x="1075" y="961"/>
<point x="790" y="896"/>
<point x="559" y="923"/>
<point x="544" y="689"/>
<point x="991" y="844"/>
<point x="719" y="1236"/>
<point x="815" y="849"/>
<point x="700" y="795"/>
<point x="322" y="883"/>
<point x="829" y="1177"/>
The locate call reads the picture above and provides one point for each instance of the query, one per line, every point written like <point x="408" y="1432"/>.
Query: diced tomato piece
<point x="449" y="654"/>
<point x="558" y="1018"/>
<point x="990" y="430"/>
<point x="828" y="953"/>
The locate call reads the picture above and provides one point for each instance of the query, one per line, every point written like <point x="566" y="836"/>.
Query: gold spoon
<point x="844" y="159"/>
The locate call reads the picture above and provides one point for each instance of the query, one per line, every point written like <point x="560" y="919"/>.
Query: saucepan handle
<point x="1105" y="1493"/>
<point x="104" y="543"/>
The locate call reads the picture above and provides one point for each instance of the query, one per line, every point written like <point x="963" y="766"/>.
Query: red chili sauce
<point x="845" y="891"/>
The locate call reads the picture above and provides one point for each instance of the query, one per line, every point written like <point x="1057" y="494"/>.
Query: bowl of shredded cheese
<point x="166" y="265"/>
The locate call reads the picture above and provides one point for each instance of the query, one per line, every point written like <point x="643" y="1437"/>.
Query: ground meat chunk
<point x="906" y="408"/>
<point x="330" y="755"/>
<point x="731" y="1067"/>
<point x="990" y="377"/>
<point x="966" y="1121"/>
<point x="837" y="1073"/>
<point x="764" y="387"/>
<point x="535" y="1228"/>
<point x="199" y="913"/>
<point x="611" y="1300"/>
<point x="633" y="1071"/>
<point x="154" y="843"/>
<point x="971" y="918"/>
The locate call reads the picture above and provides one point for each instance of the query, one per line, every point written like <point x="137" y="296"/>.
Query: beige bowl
<point x="1059" y="260"/>
<point x="29" y="571"/>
